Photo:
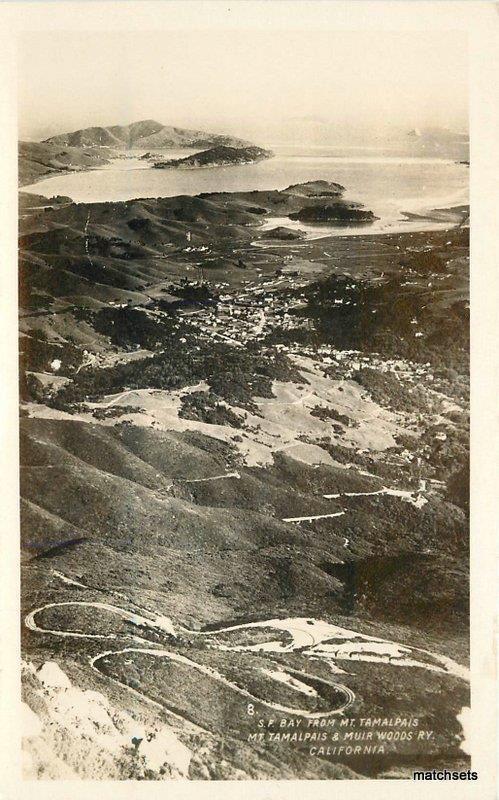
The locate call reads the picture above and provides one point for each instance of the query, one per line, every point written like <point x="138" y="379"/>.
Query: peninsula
<point x="219" y="156"/>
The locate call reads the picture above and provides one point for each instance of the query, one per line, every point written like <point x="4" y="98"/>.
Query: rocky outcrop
<point x="70" y="732"/>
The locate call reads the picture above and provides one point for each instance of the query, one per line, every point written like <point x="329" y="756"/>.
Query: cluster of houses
<point x="249" y="314"/>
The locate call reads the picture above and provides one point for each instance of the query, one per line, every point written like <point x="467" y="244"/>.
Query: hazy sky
<point x="244" y="82"/>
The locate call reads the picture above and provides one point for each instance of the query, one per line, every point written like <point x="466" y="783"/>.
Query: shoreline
<point x="456" y="193"/>
<point x="447" y="218"/>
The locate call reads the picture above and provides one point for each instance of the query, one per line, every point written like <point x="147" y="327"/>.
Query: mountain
<point x="219" y="156"/>
<point x="93" y="147"/>
<point x="146" y="133"/>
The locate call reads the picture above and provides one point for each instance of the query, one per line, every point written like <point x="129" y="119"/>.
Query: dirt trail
<point x="87" y="250"/>
<point x="212" y="673"/>
<point x="310" y="636"/>
<point x="213" y="478"/>
<point x="158" y="652"/>
<point x="415" y="497"/>
<point x="316" y="516"/>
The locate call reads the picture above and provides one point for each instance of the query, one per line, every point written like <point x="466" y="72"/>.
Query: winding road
<point x="311" y="637"/>
<point x="156" y="651"/>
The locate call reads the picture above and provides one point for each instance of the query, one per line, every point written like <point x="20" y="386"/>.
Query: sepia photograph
<point x="244" y="400"/>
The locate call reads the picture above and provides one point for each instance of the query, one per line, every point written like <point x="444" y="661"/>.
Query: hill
<point x="283" y="233"/>
<point x="339" y="212"/>
<point x="41" y="159"/>
<point x="146" y="133"/>
<point x="220" y="156"/>
<point x="112" y="251"/>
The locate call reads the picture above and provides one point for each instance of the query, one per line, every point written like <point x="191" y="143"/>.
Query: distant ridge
<point x="145" y="133"/>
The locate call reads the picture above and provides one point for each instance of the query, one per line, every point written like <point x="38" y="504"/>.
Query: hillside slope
<point x="244" y="468"/>
<point x="41" y="159"/>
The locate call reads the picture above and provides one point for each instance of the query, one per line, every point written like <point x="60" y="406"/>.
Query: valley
<point x="244" y="467"/>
